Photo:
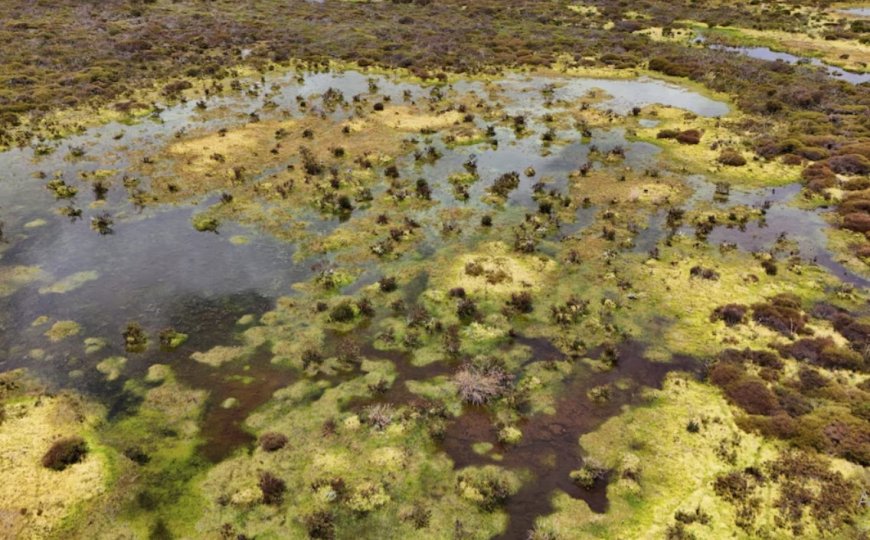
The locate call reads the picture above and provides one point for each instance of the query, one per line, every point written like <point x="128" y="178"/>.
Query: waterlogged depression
<point x="264" y="225"/>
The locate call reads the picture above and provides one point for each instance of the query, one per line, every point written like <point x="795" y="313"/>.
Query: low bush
<point x="856" y="332"/>
<point x="273" y="488"/>
<point x="320" y="525"/>
<point x="724" y="373"/>
<point x="521" y="302"/>
<point x="704" y="273"/>
<point x="753" y="396"/>
<point x="732" y="158"/>
<point x="690" y="136"/>
<point x="857" y="221"/>
<point x="782" y="314"/>
<point x="342" y="312"/>
<point x="488" y="487"/>
<point x="852" y="164"/>
<point x="730" y="314"/>
<point x="272" y="441"/>
<point x="65" y="452"/>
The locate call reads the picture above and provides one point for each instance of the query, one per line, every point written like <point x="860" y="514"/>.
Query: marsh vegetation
<point x="585" y="276"/>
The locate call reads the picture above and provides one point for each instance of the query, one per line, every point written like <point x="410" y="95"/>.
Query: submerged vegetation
<point x="526" y="270"/>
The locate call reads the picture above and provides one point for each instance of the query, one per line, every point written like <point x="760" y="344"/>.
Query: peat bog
<point x="526" y="270"/>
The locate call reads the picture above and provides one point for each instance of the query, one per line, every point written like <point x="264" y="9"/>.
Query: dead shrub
<point x="481" y="384"/>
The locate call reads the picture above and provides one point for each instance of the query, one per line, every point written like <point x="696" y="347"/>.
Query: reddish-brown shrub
<point x="724" y="373"/>
<point x="753" y="396"/>
<point x="792" y="159"/>
<point x="807" y="349"/>
<point x="731" y="157"/>
<point x="856" y="332"/>
<point x="810" y="379"/>
<point x="730" y="314"/>
<point x="854" y="203"/>
<point x="850" y="164"/>
<point x="839" y="358"/>
<point x="819" y="173"/>
<point x="857" y="184"/>
<point x="732" y="486"/>
<point x="793" y="402"/>
<point x="780" y="319"/>
<point x="690" y="136"/>
<point x="813" y="153"/>
<point x="857" y="221"/>
<point x="65" y="452"/>
<point x="272" y="442"/>
<point x="273" y="488"/>
<point x="780" y="425"/>
<point x="860" y="148"/>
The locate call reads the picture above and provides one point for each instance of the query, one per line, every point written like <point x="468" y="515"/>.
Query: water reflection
<point x="764" y="53"/>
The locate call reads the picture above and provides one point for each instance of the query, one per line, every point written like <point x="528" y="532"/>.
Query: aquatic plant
<point x="504" y="184"/>
<point x="205" y="223"/>
<point x="488" y="487"/>
<point x="172" y="339"/>
<point x="586" y="476"/>
<point x="135" y="339"/>
<point x="61" y="189"/>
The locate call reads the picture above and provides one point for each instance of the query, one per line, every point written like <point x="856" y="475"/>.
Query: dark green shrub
<point x="342" y="312"/>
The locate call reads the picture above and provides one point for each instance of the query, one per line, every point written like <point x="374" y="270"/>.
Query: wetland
<point x="306" y="288"/>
